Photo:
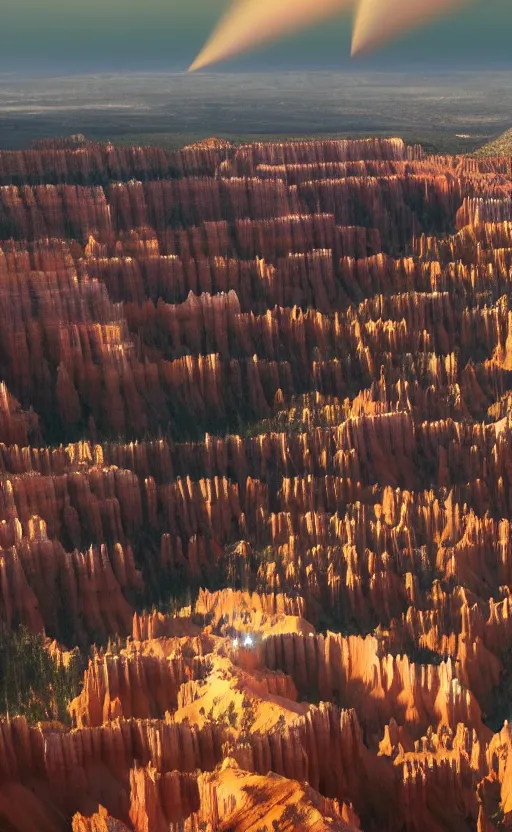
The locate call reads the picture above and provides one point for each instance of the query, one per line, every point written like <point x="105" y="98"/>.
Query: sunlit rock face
<point x="255" y="453"/>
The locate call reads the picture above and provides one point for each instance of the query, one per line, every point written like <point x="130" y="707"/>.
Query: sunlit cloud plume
<point x="251" y="23"/>
<point x="377" y="21"/>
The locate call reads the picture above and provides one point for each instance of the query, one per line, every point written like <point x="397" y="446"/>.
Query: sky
<point x="69" y="36"/>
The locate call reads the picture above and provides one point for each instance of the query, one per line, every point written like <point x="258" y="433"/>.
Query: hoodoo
<point x="255" y="492"/>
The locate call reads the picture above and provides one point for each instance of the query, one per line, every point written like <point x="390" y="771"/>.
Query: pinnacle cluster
<point x="255" y="451"/>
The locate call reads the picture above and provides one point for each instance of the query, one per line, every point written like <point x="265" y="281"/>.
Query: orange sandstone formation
<point x="255" y="468"/>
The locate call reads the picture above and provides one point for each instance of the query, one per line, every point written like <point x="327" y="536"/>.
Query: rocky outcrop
<point x="381" y="688"/>
<point x="17" y="427"/>
<point x="80" y="162"/>
<point x="233" y="799"/>
<point x="135" y="685"/>
<point x="101" y="821"/>
<point x="157" y="800"/>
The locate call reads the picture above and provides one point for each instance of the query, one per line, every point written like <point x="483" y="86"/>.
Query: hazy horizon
<point x="414" y="68"/>
<point x="449" y="111"/>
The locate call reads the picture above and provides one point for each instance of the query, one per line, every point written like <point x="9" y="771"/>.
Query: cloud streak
<point x="251" y="23"/>
<point x="377" y="21"/>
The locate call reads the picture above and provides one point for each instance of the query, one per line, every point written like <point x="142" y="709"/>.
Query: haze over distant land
<point x="167" y="34"/>
<point x="446" y="111"/>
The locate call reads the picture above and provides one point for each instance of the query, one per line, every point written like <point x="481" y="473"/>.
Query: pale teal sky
<point x="96" y="35"/>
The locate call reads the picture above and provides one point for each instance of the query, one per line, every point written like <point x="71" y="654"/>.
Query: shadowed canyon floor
<point x="255" y="492"/>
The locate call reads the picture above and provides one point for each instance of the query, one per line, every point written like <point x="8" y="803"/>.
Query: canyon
<point x="256" y="479"/>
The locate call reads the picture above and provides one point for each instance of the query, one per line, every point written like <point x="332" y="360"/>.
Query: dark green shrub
<point x="32" y="682"/>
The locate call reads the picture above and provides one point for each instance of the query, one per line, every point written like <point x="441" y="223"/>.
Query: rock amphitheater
<point x="256" y="470"/>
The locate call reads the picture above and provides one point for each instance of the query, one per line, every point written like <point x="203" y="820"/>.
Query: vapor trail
<point x="378" y="21"/>
<point x="250" y="23"/>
